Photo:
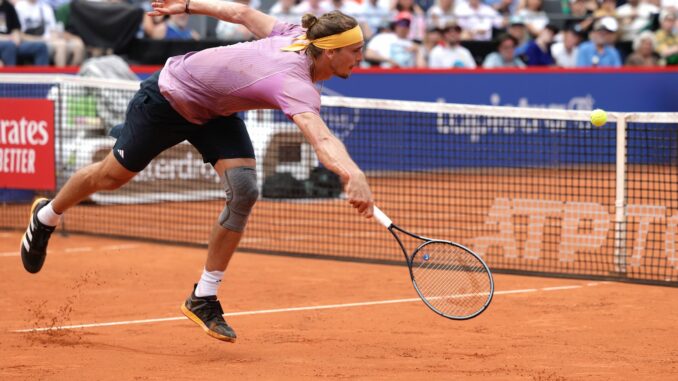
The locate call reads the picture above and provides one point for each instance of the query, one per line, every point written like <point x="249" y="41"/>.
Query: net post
<point x="620" y="198"/>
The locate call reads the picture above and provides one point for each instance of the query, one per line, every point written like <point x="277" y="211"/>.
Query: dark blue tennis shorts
<point x="152" y="126"/>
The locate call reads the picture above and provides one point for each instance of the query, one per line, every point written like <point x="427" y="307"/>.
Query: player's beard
<point x="340" y="75"/>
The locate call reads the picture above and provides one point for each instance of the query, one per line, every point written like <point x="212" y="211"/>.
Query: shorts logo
<point x="121" y="153"/>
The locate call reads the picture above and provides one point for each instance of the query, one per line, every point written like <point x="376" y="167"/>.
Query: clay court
<point x="108" y="309"/>
<point x="301" y="318"/>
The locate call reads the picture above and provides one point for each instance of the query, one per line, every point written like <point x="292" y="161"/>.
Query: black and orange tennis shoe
<point x="34" y="241"/>
<point x="207" y="313"/>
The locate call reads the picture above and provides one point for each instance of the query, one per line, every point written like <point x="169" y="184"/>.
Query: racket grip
<point x="382" y="218"/>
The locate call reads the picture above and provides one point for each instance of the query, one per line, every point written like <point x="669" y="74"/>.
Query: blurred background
<point x="404" y="37"/>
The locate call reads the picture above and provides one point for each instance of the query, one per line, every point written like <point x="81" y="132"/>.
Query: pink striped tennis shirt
<point x="246" y="76"/>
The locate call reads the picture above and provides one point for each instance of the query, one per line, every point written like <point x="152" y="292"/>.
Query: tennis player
<point x="195" y="97"/>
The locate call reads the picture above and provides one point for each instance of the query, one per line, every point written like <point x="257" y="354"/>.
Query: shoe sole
<point x="193" y="317"/>
<point x="30" y="220"/>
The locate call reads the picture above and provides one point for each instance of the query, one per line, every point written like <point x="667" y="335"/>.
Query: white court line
<point x="80" y="249"/>
<point x="561" y="288"/>
<point x="280" y="310"/>
<point x="77" y="249"/>
<point x="119" y="247"/>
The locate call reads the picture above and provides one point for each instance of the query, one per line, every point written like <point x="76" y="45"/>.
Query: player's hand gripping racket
<point x="451" y="279"/>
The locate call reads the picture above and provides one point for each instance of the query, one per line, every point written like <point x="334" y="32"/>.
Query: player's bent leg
<point x="202" y="307"/>
<point x="107" y="174"/>
<point x="239" y="178"/>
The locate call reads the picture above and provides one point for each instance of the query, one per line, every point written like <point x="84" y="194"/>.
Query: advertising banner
<point x="27" y="144"/>
<point x="614" y="90"/>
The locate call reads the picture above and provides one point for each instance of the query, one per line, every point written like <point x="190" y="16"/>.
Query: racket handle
<point x="382" y="218"/>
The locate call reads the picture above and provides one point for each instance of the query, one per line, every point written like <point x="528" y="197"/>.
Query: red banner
<point x="27" y="144"/>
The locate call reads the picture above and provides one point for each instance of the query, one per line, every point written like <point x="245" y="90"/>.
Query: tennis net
<point x="533" y="191"/>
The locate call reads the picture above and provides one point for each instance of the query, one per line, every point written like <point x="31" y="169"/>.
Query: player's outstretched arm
<point x="332" y="153"/>
<point x="260" y="24"/>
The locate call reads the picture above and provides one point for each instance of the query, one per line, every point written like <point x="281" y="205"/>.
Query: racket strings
<point x="440" y="286"/>
<point x="452" y="281"/>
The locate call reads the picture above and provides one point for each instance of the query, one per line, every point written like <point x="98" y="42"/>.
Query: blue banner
<point x="618" y="90"/>
<point x="385" y="140"/>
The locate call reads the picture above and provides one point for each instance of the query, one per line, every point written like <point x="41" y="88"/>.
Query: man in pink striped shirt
<point x="195" y="97"/>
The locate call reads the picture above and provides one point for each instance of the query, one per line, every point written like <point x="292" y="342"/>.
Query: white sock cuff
<point x="209" y="283"/>
<point x="48" y="216"/>
<point x="212" y="276"/>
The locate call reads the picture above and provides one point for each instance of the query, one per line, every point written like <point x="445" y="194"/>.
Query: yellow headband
<point x="334" y="41"/>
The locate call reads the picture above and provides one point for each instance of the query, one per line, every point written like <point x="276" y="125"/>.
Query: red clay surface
<point x="595" y="331"/>
<point x="462" y="206"/>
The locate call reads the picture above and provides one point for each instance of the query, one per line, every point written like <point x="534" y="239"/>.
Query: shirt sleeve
<point x="298" y="97"/>
<point x="284" y="29"/>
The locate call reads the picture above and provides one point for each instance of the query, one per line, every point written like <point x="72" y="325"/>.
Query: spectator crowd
<point x="402" y="33"/>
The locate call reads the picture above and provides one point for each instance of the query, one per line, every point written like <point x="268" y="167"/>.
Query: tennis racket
<point x="452" y="280"/>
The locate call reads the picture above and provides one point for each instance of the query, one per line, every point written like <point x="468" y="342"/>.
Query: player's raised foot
<point x="207" y="313"/>
<point x="34" y="241"/>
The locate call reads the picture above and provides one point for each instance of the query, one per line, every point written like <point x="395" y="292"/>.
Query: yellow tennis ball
<point x="598" y="117"/>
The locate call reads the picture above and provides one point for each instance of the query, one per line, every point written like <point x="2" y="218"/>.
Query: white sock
<point x="48" y="216"/>
<point x="209" y="283"/>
